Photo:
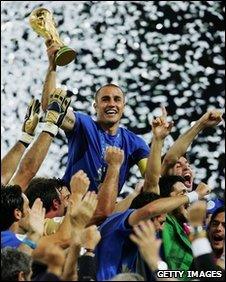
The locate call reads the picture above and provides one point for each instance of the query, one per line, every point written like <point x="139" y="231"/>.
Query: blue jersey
<point x="87" y="143"/>
<point x="9" y="239"/>
<point x="115" y="252"/>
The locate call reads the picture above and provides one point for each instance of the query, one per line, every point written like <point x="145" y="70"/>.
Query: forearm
<point x="180" y="146"/>
<point x="32" y="160"/>
<point x="108" y="192"/>
<point x="157" y="207"/>
<point x="153" y="167"/>
<point x="25" y="249"/>
<point x="10" y="162"/>
<point x="49" y="86"/>
<point x="166" y="205"/>
<point x="62" y="237"/>
<point x="34" y="238"/>
<point x="70" y="266"/>
<point x="125" y="203"/>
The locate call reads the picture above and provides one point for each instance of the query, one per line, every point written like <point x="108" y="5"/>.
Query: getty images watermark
<point x="188" y="274"/>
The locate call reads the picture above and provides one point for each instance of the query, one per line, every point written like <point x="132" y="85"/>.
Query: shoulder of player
<point x="83" y="117"/>
<point x="115" y="218"/>
<point x="130" y="134"/>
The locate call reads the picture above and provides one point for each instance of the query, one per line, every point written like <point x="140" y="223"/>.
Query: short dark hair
<point x="216" y="212"/>
<point x="13" y="262"/>
<point x="185" y="155"/>
<point x="143" y="199"/>
<point x="11" y="199"/>
<point x="45" y="189"/>
<point x="107" y="85"/>
<point x="166" y="184"/>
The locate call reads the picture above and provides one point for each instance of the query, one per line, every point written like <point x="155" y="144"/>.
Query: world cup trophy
<point x="42" y="22"/>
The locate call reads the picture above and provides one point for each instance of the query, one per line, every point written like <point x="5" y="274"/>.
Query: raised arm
<point x="108" y="191"/>
<point x="53" y="257"/>
<point x="32" y="161"/>
<point x="179" y="148"/>
<point x="160" y="128"/>
<point x="79" y="185"/>
<point x="33" y="223"/>
<point x="11" y="160"/>
<point x="50" y="80"/>
<point x="165" y="205"/>
<point x="149" y="246"/>
<point x="50" y="86"/>
<point x="34" y="157"/>
<point x="81" y="212"/>
<point x="124" y="204"/>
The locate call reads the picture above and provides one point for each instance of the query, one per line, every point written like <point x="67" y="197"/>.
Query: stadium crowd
<point x="77" y="228"/>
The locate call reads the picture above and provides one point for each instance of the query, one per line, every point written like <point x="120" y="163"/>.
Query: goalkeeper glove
<point x="56" y="110"/>
<point x="30" y="122"/>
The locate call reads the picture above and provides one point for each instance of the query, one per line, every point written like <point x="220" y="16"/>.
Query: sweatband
<point x="192" y="197"/>
<point x="26" y="138"/>
<point x="51" y="128"/>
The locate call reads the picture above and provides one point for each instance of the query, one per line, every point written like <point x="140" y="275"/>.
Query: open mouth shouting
<point x="218" y="240"/>
<point x="188" y="179"/>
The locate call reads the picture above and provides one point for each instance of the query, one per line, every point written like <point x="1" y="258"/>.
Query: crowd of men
<point x="75" y="229"/>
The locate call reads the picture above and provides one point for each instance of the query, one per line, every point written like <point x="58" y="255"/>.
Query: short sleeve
<point x="141" y="150"/>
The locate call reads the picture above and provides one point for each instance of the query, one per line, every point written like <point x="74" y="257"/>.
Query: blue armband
<point x="30" y="243"/>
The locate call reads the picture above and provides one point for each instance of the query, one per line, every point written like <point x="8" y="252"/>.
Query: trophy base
<point x="65" y="56"/>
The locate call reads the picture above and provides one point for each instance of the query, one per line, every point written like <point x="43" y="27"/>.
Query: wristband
<point x="196" y="229"/>
<point x="192" y="197"/>
<point x="51" y="128"/>
<point x="26" y="138"/>
<point x="25" y="144"/>
<point x="30" y="243"/>
<point x="197" y="232"/>
<point x="89" y="250"/>
<point x="50" y="134"/>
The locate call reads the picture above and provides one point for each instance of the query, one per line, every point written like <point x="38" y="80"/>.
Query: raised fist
<point x="114" y="156"/>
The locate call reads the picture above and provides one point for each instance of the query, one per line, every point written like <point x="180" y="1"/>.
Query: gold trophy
<point x="42" y="22"/>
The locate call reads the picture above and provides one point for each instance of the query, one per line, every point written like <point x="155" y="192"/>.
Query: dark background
<point x="166" y="52"/>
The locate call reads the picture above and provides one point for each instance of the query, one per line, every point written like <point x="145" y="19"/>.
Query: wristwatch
<point x="197" y="232"/>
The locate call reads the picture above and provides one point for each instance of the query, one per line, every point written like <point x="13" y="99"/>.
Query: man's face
<point x="109" y="105"/>
<point x="159" y="221"/>
<point x="180" y="189"/>
<point x="182" y="168"/>
<point x="217" y="232"/>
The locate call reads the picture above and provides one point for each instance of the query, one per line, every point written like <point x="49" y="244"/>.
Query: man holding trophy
<point x="88" y="139"/>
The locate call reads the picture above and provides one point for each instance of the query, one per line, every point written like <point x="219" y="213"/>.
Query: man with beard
<point x="175" y="162"/>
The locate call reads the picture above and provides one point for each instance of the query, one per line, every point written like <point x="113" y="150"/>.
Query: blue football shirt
<point x="87" y="143"/>
<point x="115" y="252"/>
<point x="9" y="239"/>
